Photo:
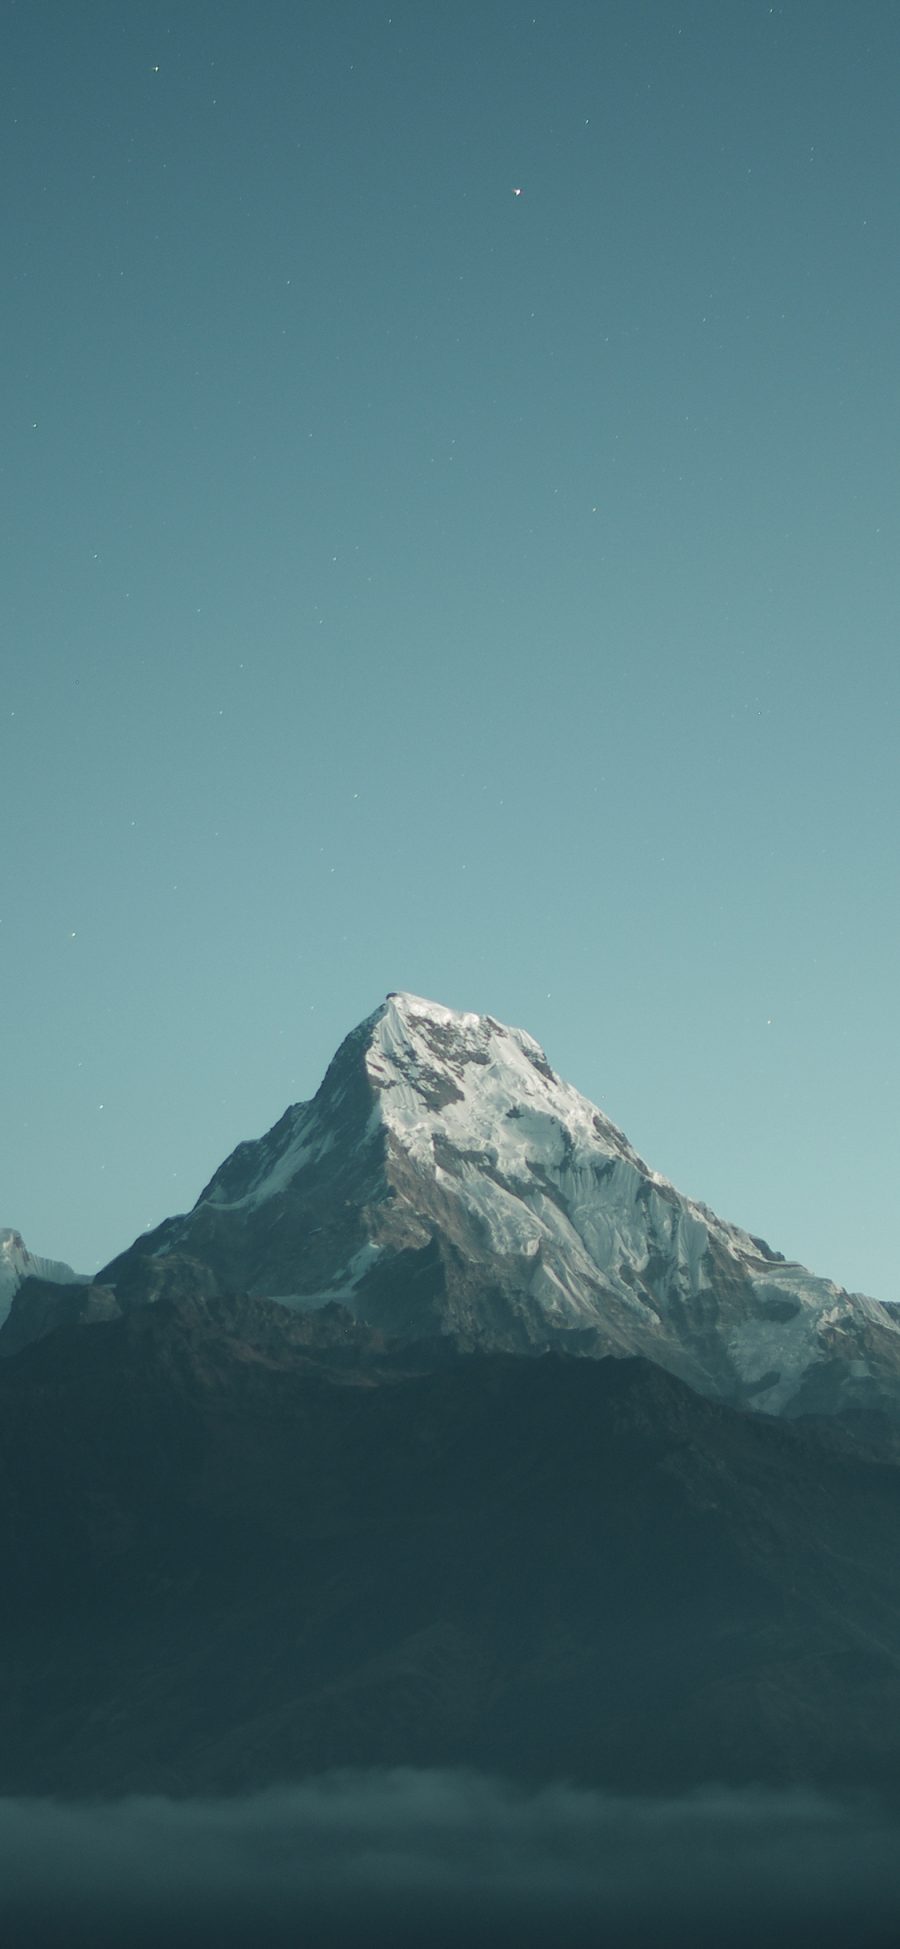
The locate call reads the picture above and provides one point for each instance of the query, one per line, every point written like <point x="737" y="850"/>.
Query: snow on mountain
<point x="18" y="1264"/>
<point x="444" y="1180"/>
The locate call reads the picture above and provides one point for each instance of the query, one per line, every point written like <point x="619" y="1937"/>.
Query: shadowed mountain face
<point x="18" y="1264"/>
<point x="444" y="1182"/>
<point x="241" y="1545"/>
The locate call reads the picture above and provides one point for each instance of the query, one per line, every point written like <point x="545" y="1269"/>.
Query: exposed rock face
<point x="444" y="1181"/>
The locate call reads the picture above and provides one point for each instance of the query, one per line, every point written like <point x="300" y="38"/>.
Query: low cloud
<point x="374" y="1858"/>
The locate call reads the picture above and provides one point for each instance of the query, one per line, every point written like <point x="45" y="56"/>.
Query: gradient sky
<point x="408" y="583"/>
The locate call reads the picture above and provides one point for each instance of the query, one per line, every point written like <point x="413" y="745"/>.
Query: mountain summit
<point x="445" y="1182"/>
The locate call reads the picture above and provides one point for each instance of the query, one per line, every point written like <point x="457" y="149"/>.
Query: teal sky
<point x="408" y="583"/>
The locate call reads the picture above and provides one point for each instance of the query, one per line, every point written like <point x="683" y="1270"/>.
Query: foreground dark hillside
<point x="241" y="1546"/>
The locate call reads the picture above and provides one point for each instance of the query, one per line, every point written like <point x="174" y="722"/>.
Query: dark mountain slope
<point x="241" y="1545"/>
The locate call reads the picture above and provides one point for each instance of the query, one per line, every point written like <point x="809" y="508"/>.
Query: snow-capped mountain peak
<point x="445" y="1181"/>
<point x="464" y="1083"/>
<point x="443" y="1073"/>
